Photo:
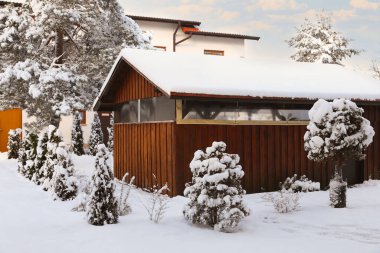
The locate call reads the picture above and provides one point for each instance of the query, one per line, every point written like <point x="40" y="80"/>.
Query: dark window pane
<point x="157" y="109"/>
<point x="127" y="113"/>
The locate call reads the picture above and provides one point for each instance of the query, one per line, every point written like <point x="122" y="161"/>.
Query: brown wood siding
<point x="372" y="162"/>
<point x="143" y="150"/>
<point x="268" y="154"/>
<point x="134" y="86"/>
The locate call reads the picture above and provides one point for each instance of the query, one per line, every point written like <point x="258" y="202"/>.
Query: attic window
<point x="213" y="52"/>
<point x="82" y="115"/>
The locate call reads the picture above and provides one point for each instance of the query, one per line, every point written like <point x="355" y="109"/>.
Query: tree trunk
<point x="59" y="46"/>
<point x="338" y="187"/>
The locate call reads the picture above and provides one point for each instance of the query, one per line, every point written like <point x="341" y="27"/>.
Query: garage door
<point x="9" y="119"/>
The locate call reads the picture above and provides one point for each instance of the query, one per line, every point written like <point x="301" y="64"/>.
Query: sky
<point x="274" y="21"/>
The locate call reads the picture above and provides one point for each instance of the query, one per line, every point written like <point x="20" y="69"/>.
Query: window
<point x="214" y="52"/>
<point x="160" y="48"/>
<point x="146" y="110"/>
<point x="234" y="112"/>
<point x="82" y="115"/>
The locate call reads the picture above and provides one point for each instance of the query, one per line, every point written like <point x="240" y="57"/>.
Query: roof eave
<point x="165" y="20"/>
<point x="224" y="35"/>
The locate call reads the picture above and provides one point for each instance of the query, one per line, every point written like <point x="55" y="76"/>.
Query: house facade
<point x="259" y="109"/>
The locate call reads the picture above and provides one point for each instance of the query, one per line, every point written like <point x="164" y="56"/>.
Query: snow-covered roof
<point x="183" y="73"/>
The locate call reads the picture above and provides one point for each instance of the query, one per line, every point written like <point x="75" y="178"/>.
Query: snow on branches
<point x="77" y="135"/>
<point x="216" y="194"/>
<point x="102" y="207"/>
<point x="317" y="41"/>
<point x="14" y="142"/>
<point x="337" y="129"/>
<point x="96" y="135"/>
<point x="57" y="54"/>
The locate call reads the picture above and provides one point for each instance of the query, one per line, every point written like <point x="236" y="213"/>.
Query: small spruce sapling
<point x="102" y="207"/>
<point x="96" y="135"/>
<point x="110" y="133"/>
<point x="55" y="138"/>
<point x="29" y="150"/>
<point x="337" y="131"/>
<point x="39" y="177"/>
<point x="216" y="194"/>
<point x="14" y="142"/>
<point x="65" y="184"/>
<point x="77" y="135"/>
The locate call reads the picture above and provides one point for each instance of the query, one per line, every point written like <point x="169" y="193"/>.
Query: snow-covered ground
<point x="30" y="221"/>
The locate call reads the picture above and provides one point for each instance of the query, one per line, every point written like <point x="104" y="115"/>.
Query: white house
<point x="168" y="35"/>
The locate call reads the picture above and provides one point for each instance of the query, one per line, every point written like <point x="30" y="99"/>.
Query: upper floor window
<point x="214" y="52"/>
<point x="160" y="48"/>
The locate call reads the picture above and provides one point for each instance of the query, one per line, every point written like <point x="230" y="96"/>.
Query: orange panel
<point x="9" y="119"/>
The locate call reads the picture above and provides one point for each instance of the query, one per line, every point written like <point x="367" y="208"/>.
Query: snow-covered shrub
<point x="55" y="137"/>
<point x="303" y="184"/>
<point x="65" y="185"/>
<point x="102" y="206"/>
<point x="28" y="155"/>
<point x="157" y="202"/>
<point x="110" y="133"/>
<point x="77" y="135"/>
<point x="96" y="135"/>
<point x="216" y="194"/>
<point x="125" y="190"/>
<point x="286" y="201"/>
<point x="38" y="177"/>
<point x="14" y="142"/>
<point x="338" y="131"/>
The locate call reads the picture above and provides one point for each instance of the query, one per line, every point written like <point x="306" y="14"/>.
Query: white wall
<point x="65" y="125"/>
<point x="163" y="36"/>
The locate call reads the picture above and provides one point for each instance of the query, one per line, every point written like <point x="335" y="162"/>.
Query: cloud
<point x="266" y="5"/>
<point x="229" y="15"/>
<point x="343" y="15"/>
<point x="364" y="4"/>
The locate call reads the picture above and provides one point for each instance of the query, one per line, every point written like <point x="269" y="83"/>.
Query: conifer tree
<point x="96" y="135"/>
<point x="40" y="160"/>
<point x="29" y="152"/>
<point x="216" y="194"/>
<point x="110" y="133"/>
<point x="58" y="54"/>
<point x="102" y="207"/>
<point x="65" y="185"/>
<point x="317" y="41"/>
<point x="77" y="135"/>
<point x="14" y="143"/>
<point x="55" y="138"/>
<point x="337" y="131"/>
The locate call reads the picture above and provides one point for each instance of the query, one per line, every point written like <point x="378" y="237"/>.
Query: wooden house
<point x="168" y="105"/>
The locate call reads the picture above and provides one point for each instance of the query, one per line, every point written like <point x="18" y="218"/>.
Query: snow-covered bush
<point x="55" y="137"/>
<point x="216" y="194"/>
<point x="40" y="160"/>
<point x="317" y="41"/>
<point x="110" y="133"/>
<point x="28" y="155"/>
<point x="65" y="185"/>
<point x="96" y="135"/>
<point x="285" y="201"/>
<point x="338" y="131"/>
<point x="303" y="184"/>
<point x="77" y="135"/>
<point x="157" y="203"/>
<point x="125" y="190"/>
<point x="102" y="206"/>
<point x="14" y="142"/>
